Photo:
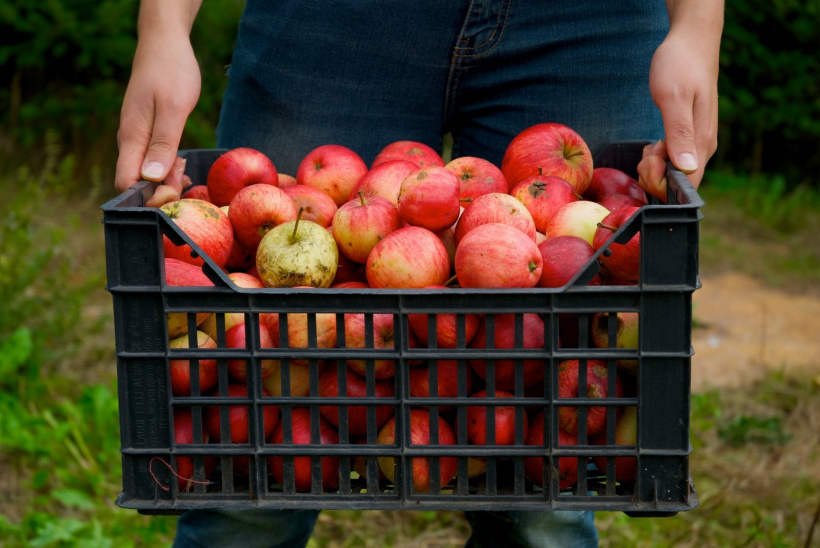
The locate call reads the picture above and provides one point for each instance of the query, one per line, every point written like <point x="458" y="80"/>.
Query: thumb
<point x="162" y="148"/>
<point x="680" y="138"/>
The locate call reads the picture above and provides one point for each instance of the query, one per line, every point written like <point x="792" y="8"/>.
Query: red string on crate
<point x="171" y="468"/>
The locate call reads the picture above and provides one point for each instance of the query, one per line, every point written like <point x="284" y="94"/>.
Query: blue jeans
<point x="365" y="73"/>
<point x="292" y="529"/>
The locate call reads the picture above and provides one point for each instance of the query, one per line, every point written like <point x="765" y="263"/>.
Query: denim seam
<point x="500" y="27"/>
<point x="488" y="40"/>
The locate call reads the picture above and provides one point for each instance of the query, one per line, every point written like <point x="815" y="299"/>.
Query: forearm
<point x="701" y="20"/>
<point x="166" y="17"/>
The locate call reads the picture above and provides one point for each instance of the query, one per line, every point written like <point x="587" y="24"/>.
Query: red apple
<point x="333" y="169"/>
<point x="477" y="177"/>
<point x="197" y="192"/>
<point x="298" y="373"/>
<point x="411" y="151"/>
<point x="563" y="257"/>
<point x="384" y="180"/>
<point x="576" y="219"/>
<point x="548" y="149"/>
<point x="596" y="387"/>
<point x="179" y="273"/>
<point x="606" y="181"/>
<point x="532" y="333"/>
<point x="383" y="337"/>
<point x="537" y="468"/>
<point x="239" y="421"/>
<point x="236" y="169"/>
<point x="410" y="257"/>
<point x="206" y="225"/>
<point x="235" y="337"/>
<point x="420" y="435"/>
<point x="348" y="270"/>
<point x="355" y="387"/>
<point x="303" y="465"/>
<point x="497" y="255"/>
<point x="626" y="433"/>
<point x="504" y="430"/>
<point x="495" y="208"/>
<point x="256" y="209"/>
<point x="429" y="198"/>
<point x="621" y="260"/>
<point x="319" y="207"/>
<point x="286" y="180"/>
<point x="543" y="196"/>
<point x="363" y="222"/>
<point x="184" y="435"/>
<point x="448" y="238"/>
<point x="181" y="369"/>
<point x="446" y="381"/>
<point x="446" y="327"/>
<point x="614" y="202"/>
<point x="350" y="285"/>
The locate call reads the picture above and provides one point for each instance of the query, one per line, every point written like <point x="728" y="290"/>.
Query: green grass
<point x="756" y="460"/>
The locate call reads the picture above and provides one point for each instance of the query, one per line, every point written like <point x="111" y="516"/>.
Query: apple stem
<point x="296" y="224"/>
<point x="361" y="197"/>
<point x="465" y="200"/>
<point x="533" y="266"/>
<point x="608" y="227"/>
<point x="540" y="171"/>
<point x="578" y="196"/>
<point x="451" y="280"/>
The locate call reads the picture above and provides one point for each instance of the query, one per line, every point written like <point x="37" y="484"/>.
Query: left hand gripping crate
<point x="298" y="470"/>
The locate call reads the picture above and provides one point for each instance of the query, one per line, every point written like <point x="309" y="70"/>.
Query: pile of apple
<point x="409" y="221"/>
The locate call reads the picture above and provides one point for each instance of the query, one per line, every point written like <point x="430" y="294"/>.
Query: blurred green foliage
<point x="64" y="64"/>
<point x="770" y="89"/>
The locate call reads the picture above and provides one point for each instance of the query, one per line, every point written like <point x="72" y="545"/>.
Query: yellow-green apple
<point x="429" y="198"/>
<point x="446" y="381"/>
<point x="236" y="337"/>
<point x="355" y="387"/>
<point x="411" y="257"/>
<point x="446" y="326"/>
<point x="537" y="468"/>
<point x="297" y="254"/>
<point x="236" y="169"/>
<point x="504" y="430"/>
<point x="563" y="257"/>
<point x="300" y="427"/>
<point x="497" y="255"/>
<point x="206" y="225"/>
<point x="608" y="180"/>
<point x="626" y="335"/>
<point x="383" y="336"/>
<point x="256" y="209"/>
<point x="626" y="433"/>
<point x="384" y="180"/>
<point x="181" y="369"/>
<point x="180" y="273"/>
<point x="333" y="169"/>
<point x="363" y="222"/>
<point x="622" y="261"/>
<point x="543" y="196"/>
<point x="548" y="149"/>
<point x="319" y="207"/>
<point x="411" y="151"/>
<point x="596" y="386"/>
<point x="420" y="435"/>
<point x="184" y="435"/>
<point x="576" y="219"/>
<point x="505" y="335"/>
<point x="495" y="208"/>
<point x="477" y="177"/>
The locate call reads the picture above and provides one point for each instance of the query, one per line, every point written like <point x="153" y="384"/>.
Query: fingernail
<point x="152" y="170"/>
<point x="687" y="162"/>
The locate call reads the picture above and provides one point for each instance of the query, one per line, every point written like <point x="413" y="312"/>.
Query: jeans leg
<point x="217" y="528"/>
<point x="532" y="529"/>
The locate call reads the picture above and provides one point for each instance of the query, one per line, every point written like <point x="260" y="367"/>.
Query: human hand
<point x="683" y="82"/>
<point x="163" y="90"/>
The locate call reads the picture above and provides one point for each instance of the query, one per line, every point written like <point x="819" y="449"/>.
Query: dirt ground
<point x="744" y="328"/>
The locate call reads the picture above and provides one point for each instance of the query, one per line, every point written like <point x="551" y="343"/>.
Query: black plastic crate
<point x="239" y="475"/>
